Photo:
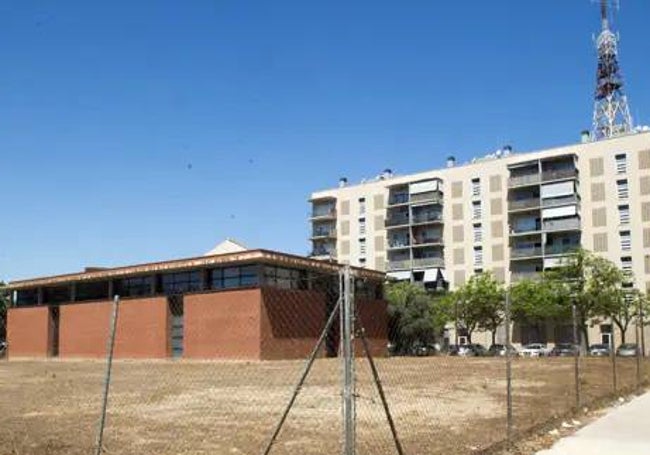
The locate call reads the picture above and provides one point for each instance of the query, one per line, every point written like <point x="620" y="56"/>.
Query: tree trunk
<point x="494" y="336"/>
<point x="585" y="336"/>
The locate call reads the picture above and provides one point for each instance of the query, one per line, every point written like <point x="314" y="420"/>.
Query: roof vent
<point x="585" y="136"/>
<point x="343" y="181"/>
<point x="451" y="161"/>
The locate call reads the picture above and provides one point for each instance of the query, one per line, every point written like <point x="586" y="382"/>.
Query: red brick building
<point x="254" y="304"/>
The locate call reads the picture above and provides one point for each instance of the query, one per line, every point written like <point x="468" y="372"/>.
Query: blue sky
<point x="140" y="131"/>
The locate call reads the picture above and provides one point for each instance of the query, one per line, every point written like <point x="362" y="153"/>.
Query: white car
<point x="534" y="350"/>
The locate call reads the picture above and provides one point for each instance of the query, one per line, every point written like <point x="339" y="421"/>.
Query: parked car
<point x="599" y="350"/>
<point x="499" y="350"/>
<point x="628" y="350"/>
<point x="534" y="350"/>
<point x="479" y="349"/>
<point x="467" y="350"/>
<point x="422" y="350"/>
<point x="3" y="348"/>
<point x="564" y="350"/>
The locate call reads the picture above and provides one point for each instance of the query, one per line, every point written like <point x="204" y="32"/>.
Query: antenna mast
<point x="611" y="111"/>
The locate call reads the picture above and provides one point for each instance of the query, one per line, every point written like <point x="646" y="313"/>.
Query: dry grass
<point x="441" y="405"/>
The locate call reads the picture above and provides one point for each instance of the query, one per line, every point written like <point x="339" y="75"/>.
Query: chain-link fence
<point x="302" y="365"/>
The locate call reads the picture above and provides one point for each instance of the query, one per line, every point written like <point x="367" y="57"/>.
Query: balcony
<point x="398" y="199"/>
<point x="323" y="214"/>
<point x="527" y="229"/>
<point x="523" y="253"/>
<point x="558" y="201"/>
<point x="428" y="262"/>
<point x="432" y="197"/>
<point x="427" y="217"/>
<point x="551" y="250"/>
<point x="393" y="221"/>
<point x="524" y="180"/>
<point x="566" y="224"/>
<point x="559" y="174"/>
<point x="524" y="204"/>
<point x="324" y="233"/>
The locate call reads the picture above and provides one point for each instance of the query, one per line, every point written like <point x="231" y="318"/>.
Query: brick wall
<point x="373" y="314"/>
<point x="142" y="329"/>
<point x="291" y="323"/>
<point x="222" y="324"/>
<point x="29" y="332"/>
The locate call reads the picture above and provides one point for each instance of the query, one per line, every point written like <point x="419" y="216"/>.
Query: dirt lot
<point x="441" y="405"/>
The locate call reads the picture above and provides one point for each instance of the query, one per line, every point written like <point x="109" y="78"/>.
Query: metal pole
<point x="576" y="356"/>
<point x="508" y="375"/>
<point x="347" y="321"/>
<point x="380" y="390"/>
<point x="638" y="352"/>
<point x="107" y="378"/>
<point x="303" y="377"/>
<point x="613" y="356"/>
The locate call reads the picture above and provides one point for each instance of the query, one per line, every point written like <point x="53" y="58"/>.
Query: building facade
<point x="514" y="214"/>
<point x="256" y="305"/>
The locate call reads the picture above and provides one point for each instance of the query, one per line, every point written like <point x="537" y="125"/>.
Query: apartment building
<point x="514" y="214"/>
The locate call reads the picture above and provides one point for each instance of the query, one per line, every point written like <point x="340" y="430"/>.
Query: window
<point x="476" y="210"/>
<point x="478" y="256"/>
<point x="622" y="189"/>
<point x="94" y="290"/>
<point x="478" y="233"/>
<point x="362" y="246"/>
<point x="626" y="243"/>
<point x="181" y="282"/>
<point x="56" y="294"/>
<point x="476" y="187"/>
<point x="285" y="278"/>
<point x="621" y="163"/>
<point x="626" y="263"/>
<point x="26" y="297"/>
<point x="362" y="262"/>
<point x="362" y="205"/>
<point x="362" y="226"/>
<point x="624" y="214"/>
<point x="135" y="286"/>
<point x="234" y="277"/>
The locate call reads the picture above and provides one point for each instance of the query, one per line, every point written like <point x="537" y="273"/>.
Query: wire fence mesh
<point x="264" y="370"/>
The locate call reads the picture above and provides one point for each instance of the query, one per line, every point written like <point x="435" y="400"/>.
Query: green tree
<point x="534" y="302"/>
<point x="592" y="283"/>
<point x="417" y="317"/>
<point x="479" y="303"/>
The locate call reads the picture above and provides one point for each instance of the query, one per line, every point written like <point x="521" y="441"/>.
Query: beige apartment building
<point x="514" y="214"/>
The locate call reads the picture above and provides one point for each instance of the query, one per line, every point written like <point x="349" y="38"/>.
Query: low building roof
<point x="250" y="256"/>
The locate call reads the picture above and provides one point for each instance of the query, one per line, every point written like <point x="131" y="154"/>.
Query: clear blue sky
<point x="105" y="105"/>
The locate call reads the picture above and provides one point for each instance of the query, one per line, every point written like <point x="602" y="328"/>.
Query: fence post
<point x="347" y="351"/>
<point x="576" y="355"/>
<point x="107" y="377"/>
<point x="508" y="375"/>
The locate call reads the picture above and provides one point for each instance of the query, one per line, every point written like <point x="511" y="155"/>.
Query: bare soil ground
<point x="441" y="405"/>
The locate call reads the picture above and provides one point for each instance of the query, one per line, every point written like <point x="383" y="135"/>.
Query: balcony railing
<point x="321" y="252"/>
<point x="323" y="213"/>
<point x="396" y="221"/>
<point x="559" y="174"/>
<point x="527" y="229"/>
<point x="519" y="276"/>
<point x="562" y="224"/>
<point x="523" y="204"/>
<point x="400" y="198"/>
<point x="428" y="262"/>
<point x="560" y="249"/>
<point x="427" y="241"/>
<point x="521" y="180"/>
<point x="426" y="217"/>
<point x="395" y="244"/>
<point x="432" y="196"/>
<point x="557" y="201"/>
<point x="323" y="233"/>
<point x="399" y="265"/>
<point x="518" y="253"/>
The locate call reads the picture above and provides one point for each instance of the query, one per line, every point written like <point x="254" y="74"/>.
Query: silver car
<point x="534" y="350"/>
<point x="628" y="350"/>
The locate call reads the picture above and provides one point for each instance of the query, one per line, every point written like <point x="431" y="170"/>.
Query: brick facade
<point x="29" y="332"/>
<point x="142" y="329"/>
